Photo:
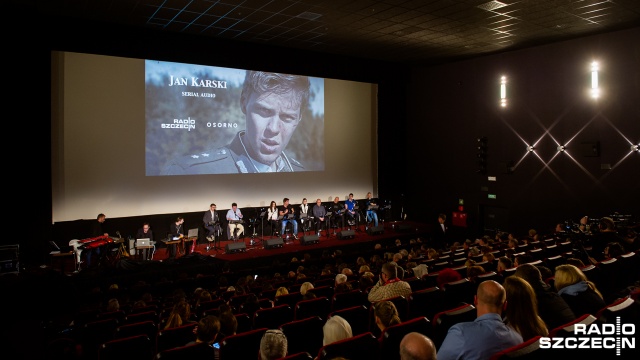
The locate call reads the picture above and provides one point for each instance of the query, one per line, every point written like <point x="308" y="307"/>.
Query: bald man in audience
<point x="487" y="334"/>
<point x="415" y="346"/>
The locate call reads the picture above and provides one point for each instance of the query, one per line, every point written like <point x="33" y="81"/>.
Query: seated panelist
<point x="234" y="216"/>
<point x="285" y="210"/>
<point x="320" y="216"/>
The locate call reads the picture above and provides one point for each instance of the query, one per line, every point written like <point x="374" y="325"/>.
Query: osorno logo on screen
<point x="611" y="336"/>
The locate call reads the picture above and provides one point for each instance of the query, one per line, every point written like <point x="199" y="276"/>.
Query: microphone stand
<point x="262" y="224"/>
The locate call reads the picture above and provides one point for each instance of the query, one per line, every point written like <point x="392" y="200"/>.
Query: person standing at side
<point x="96" y="230"/>
<point x="234" y="216"/>
<point x="145" y="232"/>
<point x="176" y="231"/>
<point x="487" y="334"/>
<point x="440" y="233"/>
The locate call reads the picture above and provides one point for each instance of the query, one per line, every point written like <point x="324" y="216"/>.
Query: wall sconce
<point x="635" y="147"/>
<point x="530" y="148"/>
<point x="595" y="90"/>
<point x="561" y="148"/>
<point x="503" y="91"/>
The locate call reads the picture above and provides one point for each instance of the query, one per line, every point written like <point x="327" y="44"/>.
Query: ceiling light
<point x="491" y="5"/>
<point x="561" y="148"/>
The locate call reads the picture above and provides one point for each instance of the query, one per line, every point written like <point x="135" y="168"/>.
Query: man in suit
<point x="211" y="222"/>
<point x="440" y="233"/>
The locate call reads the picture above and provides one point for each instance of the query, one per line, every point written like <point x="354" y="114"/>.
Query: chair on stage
<point x="305" y="222"/>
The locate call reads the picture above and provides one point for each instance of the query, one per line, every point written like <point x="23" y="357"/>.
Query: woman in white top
<point x="272" y="217"/>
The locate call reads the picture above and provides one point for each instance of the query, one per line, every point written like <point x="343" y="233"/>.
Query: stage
<point x="254" y="253"/>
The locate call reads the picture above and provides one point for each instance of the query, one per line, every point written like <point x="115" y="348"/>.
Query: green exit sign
<point x="491" y="196"/>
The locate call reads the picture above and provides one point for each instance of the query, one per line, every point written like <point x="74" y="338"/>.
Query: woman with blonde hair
<point x="522" y="309"/>
<point x="335" y="329"/>
<point x="581" y="295"/>
<point x="305" y="290"/>
<point x="282" y="291"/>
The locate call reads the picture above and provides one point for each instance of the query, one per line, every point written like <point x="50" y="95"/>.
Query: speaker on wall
<point x="235" y="247"/>
<point x="309" y="239"/>
<point x="346" y="234"/>
<point x="273" y="243"/>
<point x="375" y="230"/>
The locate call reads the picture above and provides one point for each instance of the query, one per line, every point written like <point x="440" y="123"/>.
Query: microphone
<point x="118" y="233"/>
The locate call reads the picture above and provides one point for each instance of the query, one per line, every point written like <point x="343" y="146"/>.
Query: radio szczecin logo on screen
<point x="595" y="336"/>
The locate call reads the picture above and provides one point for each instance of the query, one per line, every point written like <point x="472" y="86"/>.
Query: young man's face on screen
<point x="271" y="121"/>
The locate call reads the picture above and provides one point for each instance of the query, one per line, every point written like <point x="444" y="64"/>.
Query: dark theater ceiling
<point x="404" y="31"/>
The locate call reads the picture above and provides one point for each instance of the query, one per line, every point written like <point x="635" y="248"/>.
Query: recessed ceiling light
<point x="309" y="15"/>
<point x="491" y="5"/>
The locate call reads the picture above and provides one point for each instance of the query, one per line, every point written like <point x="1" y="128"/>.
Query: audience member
<point x="228" y="324"/>
<point x="251" y="304"/>
<point x="389" y="285"/>
<point x="581" y="294"/>
<point x="342" y="287"/>
<point x="335" y="329"/>
<point x="474" y="271"/>
<point x="487" y="334"/>
<point x="521" y="312"/>
<point x="273" y="345"/>
<point x="113" y="305"/>
<point x="385" y="314"/>
<point x="366" y="281"/>
<point x="613" y="250"/>
<point x="282" y="291"/>
<point x="504" y="263"/>
<point x="305" y="290"/>
<point x="606" y="234"/>
<point x="575" y="262"/>
<point x="340" y="278"/>
<point x="415" y="346"/>
<point x="180" y="315"/>
<point x="207" y="331"/>
<point x="446" y="276"/>
<point x="552" y="308"/>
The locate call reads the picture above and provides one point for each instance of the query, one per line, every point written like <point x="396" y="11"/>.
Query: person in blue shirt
<point x="350" y="211"/>
<point x="487" y="334"/>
